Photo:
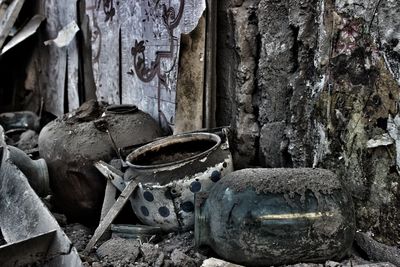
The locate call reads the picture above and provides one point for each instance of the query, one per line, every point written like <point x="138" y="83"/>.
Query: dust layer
<point x="280" y="180"/>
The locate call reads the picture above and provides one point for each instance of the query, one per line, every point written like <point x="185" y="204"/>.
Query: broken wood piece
<point x="112" y="174"/>
<point x="109" y="199"/>
<point x="28" y="30"/>
<point x="8" y="19"/>
<point x="108" y="202"/>
<point x="210" y="65"/>
<point x="109" y="218"/>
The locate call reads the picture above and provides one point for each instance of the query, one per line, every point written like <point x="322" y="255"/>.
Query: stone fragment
<point x="180" y="259"/>
<point x="213" y="262"/>
<point x="119" y="249"/>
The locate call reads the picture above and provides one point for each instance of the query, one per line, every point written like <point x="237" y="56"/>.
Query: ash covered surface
<point x="78" y="234"/>
<point x="283" y="180"/>
<point x="174" y="249"/>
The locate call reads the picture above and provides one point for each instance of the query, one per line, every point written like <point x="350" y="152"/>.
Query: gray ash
<point x="283" y="180"/>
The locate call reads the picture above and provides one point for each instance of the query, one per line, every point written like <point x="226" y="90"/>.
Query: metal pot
<point x="169" y="171"/>
<point x="71" y="145"/>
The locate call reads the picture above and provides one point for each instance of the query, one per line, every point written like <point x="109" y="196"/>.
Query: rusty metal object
<point x="262" y="217"/>
<point x="73" y="144"/>
<point x="169" y="171"/>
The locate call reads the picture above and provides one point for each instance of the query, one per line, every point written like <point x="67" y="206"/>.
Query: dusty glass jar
<point x="260" y="217"/>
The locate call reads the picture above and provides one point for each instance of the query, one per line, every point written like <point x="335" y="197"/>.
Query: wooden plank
<point x="87" y="78"/>
<point x="190" y="81"/>
<point x="59" y="66"/>
<point x="104" y="24"/>
<point x="8" y="19"/>
<point x="73" y="75"/>
<point x="32" y="84"/>
<point x="109" y="199"/>
<point x="109" y="218"/>
<point x="211" y="56"/>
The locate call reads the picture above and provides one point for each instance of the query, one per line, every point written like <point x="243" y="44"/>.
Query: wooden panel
<point x="59" y="65"/>
<point x="72" y="75"/>
<point x="104" y="24"/>
<point x="135" y="49"/>
<point x="190" y="81"/>
<point x="150" y="52"/>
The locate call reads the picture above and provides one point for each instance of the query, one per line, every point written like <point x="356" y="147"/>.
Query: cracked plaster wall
<point x="316" y="83"/>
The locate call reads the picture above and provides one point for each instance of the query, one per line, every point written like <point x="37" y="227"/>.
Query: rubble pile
<point x="104" y="160"/>
<point x="173" y="250"/>
<point x="254" y="211"/>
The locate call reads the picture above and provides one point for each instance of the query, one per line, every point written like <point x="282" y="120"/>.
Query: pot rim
<point x="121" y="109"/>
<point x="174" y="139"/>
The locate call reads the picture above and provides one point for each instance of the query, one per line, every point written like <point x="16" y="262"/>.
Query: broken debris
<point x="28" y="30"/>
<point x="8" y="18"/>
<point x="65" y="36"/>
<point x="24" y="216"/>
<point x="118" y="251"/>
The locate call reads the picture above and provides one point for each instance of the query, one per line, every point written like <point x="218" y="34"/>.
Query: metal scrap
<point x="65" y="36"/>
<point x="26" y="223"/>
<point x="8" y="19"/>
<point x="28" y="30"/>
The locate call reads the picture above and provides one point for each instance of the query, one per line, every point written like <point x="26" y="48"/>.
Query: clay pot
<point x="262" y="217"/>
<point x="71" y="145"/>
<point x="170" y="171"/>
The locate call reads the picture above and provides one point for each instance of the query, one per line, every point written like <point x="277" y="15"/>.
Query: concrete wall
<point x="316" y="83"/>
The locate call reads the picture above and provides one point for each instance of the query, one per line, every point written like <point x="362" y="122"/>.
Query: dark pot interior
<point x="174" y="149"/>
